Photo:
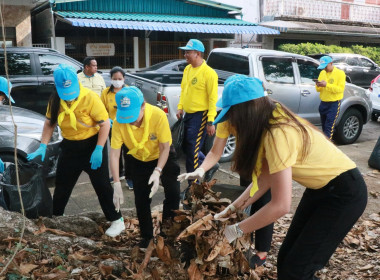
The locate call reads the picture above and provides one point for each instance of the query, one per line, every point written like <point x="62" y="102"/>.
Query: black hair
<point x="87" y="60"/>
<point x="113" y="71"/>
<point x="54" y="105"/>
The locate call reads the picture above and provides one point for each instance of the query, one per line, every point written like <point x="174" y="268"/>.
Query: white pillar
<point x="211" y="44"/>
<point x="147" y="53"/>
<point x="136" y="53"/>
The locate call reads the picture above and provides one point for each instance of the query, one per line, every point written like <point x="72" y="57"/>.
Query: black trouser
<point x="322" y="219"/>
<point x="263" y="236"/>
<point x="73" y="159"/>
<point x="140" y="174"/>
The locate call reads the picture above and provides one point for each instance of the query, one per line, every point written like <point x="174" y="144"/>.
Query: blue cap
<point x="66" y="82"/>
<point x="4" y="88"/>
<point x="129" y="101"/>
<point x="324" y="60"/>
<point x="238" y="89"/>
<point x="193" y="45"/>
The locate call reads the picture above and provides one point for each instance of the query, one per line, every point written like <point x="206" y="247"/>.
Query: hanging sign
<point x="100" y="49"/>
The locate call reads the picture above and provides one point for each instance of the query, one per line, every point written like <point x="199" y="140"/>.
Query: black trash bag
<point x="374" y="159"/>
<point x="36" y="196"/>
<point x="178" y="133"/>
<point x="2" y="199"/>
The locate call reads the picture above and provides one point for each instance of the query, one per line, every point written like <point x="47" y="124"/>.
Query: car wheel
<point x="349" y="128"/>
<point x="228" y="151"/>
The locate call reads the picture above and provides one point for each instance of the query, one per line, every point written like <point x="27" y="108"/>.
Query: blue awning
<point x="172" y="27"/>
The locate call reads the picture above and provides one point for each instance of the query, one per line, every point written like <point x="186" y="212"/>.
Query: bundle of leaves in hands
<point x="202" y="244"/>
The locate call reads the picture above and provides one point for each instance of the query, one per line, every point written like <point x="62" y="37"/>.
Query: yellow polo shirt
<point x="335" y="84"/>
<point x="159" y="132"/>
<point x="108" y="99"/>
<point x="199" y="90"/>
<point x="89" y="113"/>
<point x="95" y="83"/>
<point x="323" y="163"/>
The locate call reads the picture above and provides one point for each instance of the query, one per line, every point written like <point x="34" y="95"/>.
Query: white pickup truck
<point x="287" y="78"/>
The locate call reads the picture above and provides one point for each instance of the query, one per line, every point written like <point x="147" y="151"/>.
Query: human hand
<point x="224" y="214"/>
<point x="111" y="122"/>
<point x="155" y="179"/>
<point x="41" y="151"/>
<point x="96" y="157"/>
<point x="197" y="174"/>
<point x="179" y="114"/>
<point x="118" y="197"/>
<point x="321" y="84"/>
<point x="232" y="232"/>
<point x="210" y="130"/>
<point x="1" y="166"/>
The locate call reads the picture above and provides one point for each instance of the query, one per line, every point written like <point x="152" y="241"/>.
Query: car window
<point x="229" y="62"/>
<point x="353" y="61"/>
<point x="339" y="59"/>
<point x="308" y="71"/>
<point x="181" y="67"/>
<point x="366" y="63"/>
<point x="278" y="70"/>
<point x="49" y="62"/>
<point x="18" y="64"/>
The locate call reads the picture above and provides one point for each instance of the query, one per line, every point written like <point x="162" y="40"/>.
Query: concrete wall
<point x="19" y="17"/>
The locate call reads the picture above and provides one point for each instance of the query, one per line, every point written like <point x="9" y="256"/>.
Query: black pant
<point x="263" y="236"/>
<point x="322" y="219"/>
<point x="140" y="174"/>
<point x="73" y="159"/>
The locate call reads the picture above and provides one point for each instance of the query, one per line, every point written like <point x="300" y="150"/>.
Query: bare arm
<point x="47" y="132"/>
<point x="214" y="154"/>
<point x="114" y="164"/>
<point x="103" y="132"/>
<point x="164" y="154"/>
<point x="280" y="184"/>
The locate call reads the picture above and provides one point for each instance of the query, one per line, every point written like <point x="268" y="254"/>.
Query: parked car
<point x="168" y="66"/>
<point x="287" y="78"/>
<point x="29" y="131"/>
<point x="374" y="93"/>
<point x="31" y="73"/>
<point x="359" y="69"/>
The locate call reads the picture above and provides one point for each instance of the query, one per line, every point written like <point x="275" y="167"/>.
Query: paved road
<point x="84" y="198"/>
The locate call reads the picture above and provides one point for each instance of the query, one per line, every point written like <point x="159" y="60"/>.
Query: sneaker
<point x="210" y="173"/>
<point x="255" y="261"/>
<point x="129" y="184"/>
<point x="116" y="228"/>
<point x="121" y="177"/>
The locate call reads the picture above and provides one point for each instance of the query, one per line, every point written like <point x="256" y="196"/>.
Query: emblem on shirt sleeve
<point x="194" y="81"/>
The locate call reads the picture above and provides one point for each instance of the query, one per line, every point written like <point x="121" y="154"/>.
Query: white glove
<point x="155" y="179"/>
<point x="233" y="232"/>
<point x="196" y="175"/>
<point x="118" y="197"/>
<point x="221" y="215"/>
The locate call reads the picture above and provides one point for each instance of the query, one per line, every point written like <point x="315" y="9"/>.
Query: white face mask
<point x="117" y="83"/>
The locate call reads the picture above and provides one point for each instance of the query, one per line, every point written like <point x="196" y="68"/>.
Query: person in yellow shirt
<point x="274" y="148"/>
<point x="84" y="124"/>
<point x="90" y="78"/>
<point x="199" y="93"/>
<point x="108" y="98"/>
<point x="331" y="83"/>
<point x="144" y="130"/>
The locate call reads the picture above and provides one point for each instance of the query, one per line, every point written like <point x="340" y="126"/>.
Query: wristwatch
<point x="239" y="231"/>
<point x="209" y="123"/>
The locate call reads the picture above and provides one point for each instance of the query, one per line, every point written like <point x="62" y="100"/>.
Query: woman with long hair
<point x="84" y="124"/>
<point x="108" y="98"/>
<point x="274" y="147"/>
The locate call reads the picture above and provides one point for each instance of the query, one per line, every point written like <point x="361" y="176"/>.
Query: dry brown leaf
<point x="193" y="271"/>
<point x="162" y="250"/>
<point x="215" y="251"/>
<point x="26" y="268"/>
<point x="105" y="269"/>
<point x="80" y="257"/>
<point x="190" y="230"/>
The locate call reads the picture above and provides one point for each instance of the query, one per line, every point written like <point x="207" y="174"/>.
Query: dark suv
<point x="359" y="69"/>
<point x="31" y="73"/>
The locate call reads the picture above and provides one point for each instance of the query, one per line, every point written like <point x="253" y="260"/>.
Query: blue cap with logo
<point x="193" y="45"/>
<point x="238" y="89"/>
<point x="324" y="60"/>
<point x="66" y="82"/>
<point x="4" y="88"/>
<point x="129" y="101"/>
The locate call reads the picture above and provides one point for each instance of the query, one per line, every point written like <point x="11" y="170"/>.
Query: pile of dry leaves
<point x="190" y="247"/>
